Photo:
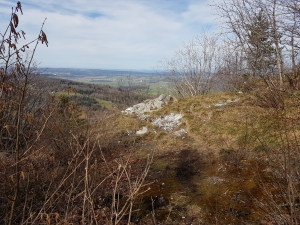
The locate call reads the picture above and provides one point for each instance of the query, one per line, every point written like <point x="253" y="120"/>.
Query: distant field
<point x="153" y="83"/>
<point x="159" y="88"/>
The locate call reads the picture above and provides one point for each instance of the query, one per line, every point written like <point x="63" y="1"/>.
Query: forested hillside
<point x="93" y="96"/>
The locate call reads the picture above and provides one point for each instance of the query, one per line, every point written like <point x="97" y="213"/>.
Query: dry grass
<point x="232" y="132"/>
<point x="213" y="122"/>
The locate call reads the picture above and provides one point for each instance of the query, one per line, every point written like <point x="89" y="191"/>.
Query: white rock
<point x="225" y="103"/>
<point x="150" y="105"/>
<point x="144" y="130"/>
<point x="180" y="132"/>
<point x="169" y="122"/>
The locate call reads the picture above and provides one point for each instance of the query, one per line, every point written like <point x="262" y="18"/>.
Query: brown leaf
<point x="13" y="46"/>
<point x="44" y="38"/>
<point x="12" y="28"/>
<point x="19" y="6"/>
<point x="16" y="19"/>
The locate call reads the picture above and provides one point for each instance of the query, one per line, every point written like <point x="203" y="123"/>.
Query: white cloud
<point x="200" y="12"/>
<point x="127" y="34"/>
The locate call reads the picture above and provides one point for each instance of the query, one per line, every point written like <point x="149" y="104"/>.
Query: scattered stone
<point x="180" y="132"/>
<point x="225" y="103"/>
<point x="144" y="130"/>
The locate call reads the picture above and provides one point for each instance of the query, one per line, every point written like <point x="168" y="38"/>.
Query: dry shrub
<point x="270" y="98"/>
<point x="53" y="169"/>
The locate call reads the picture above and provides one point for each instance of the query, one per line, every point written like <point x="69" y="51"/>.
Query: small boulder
<point x="144" y="130"/>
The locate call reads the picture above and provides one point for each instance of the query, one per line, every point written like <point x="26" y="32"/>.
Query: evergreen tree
<point x="260" y="54"/>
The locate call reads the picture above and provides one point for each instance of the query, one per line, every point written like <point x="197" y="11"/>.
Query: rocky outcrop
<point x="150" y="104"/>
<point x="169" y="123"/>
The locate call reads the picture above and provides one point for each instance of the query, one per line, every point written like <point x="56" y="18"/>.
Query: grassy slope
<point x="219" y="137"/>
<point x="239" y="124"/>
<point x="209" y="127"/>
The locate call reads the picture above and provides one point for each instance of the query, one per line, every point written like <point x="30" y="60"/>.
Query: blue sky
<point x="111" y="34"/>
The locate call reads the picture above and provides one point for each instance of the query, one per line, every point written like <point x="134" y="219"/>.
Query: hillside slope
<point x="231" y="159"/>
<point x="217" y="121"/>
<point x="222" y="158"/>
<point x="93" y="96"/>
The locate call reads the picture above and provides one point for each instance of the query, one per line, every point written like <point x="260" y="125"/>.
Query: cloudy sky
<point x="110" y="34"/>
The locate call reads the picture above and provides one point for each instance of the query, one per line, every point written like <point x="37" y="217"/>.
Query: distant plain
<point x="152" y="82"/>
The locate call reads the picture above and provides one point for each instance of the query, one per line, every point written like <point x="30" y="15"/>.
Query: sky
<point x="110" y="34"/>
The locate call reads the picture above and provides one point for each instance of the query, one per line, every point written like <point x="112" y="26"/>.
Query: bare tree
<point x="232" y="74"/>
<point x="291" y="39"/>
<point x="256" y="26"/>
<point x="192" y="67"/>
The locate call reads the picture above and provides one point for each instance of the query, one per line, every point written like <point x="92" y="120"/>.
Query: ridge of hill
<point x="227" y="162"/>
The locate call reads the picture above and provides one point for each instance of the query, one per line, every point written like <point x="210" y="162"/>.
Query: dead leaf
<point x="44" y="38"/>
<point x="19" y="6"/>
<point x="16" y="20"/>
<point x="13" y="46"/>
<point x="12" y="28"/>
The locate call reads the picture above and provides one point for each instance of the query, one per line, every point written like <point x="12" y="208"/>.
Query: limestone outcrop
<point x="169" y="123"/>
<point x="150" y="105"/>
